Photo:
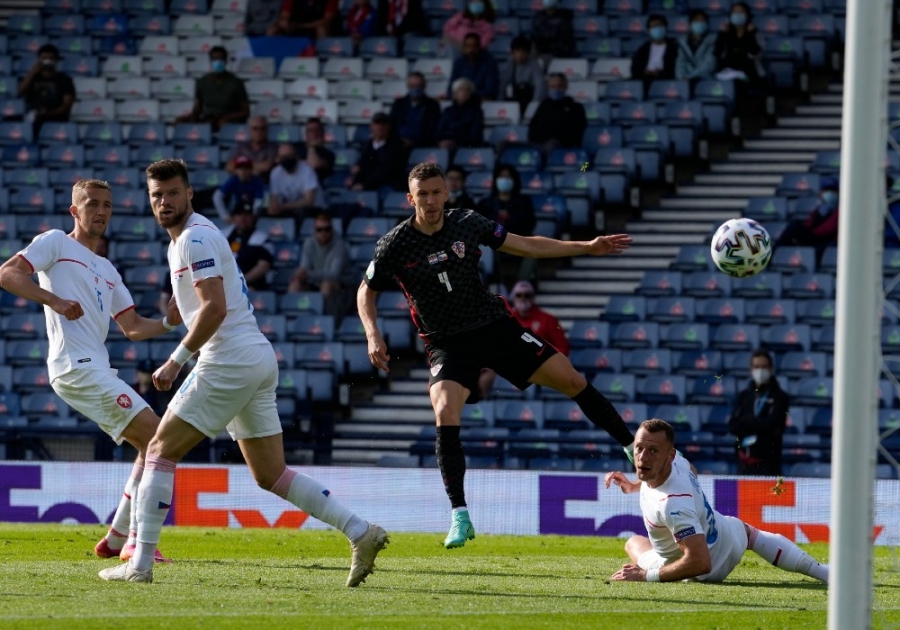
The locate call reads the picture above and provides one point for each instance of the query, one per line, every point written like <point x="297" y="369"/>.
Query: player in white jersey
<point x="232" y="386"/>
<point x="686" y="538"/>
<point x="80" y="291"/>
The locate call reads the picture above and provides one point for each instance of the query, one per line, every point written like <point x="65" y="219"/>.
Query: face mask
<point x="288" y="163"/>
<point x="217" y="65"/>
<point x="657" y="32"/>
<point x="522" y="306"/>
<point x="556" y="94"/>
<point x="455" y="194"/>
<point x="699" y="28"/>
<point x="476" y="8"/>
<point x="416" y="93"/>
<point x="738" y="19"/>
<point x="48" y="64"/>
<point x="830" y="199"/>
<point x="760" y="375"/>
<point x="549" y="4"/>
<point x="504" y="184"/>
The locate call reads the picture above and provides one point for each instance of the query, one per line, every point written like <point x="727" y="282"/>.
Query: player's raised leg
<point x="782" y="553"/>
<point x="558" y="373"/>
<point x="265" y="458"/>
<point x="448" y="398"/>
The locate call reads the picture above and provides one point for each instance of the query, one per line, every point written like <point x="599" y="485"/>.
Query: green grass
<point x="272" y="579"/>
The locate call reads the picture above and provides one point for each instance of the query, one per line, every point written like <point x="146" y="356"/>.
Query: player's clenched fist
<point x="70" y="309"/>
<point x="165" y="375"/>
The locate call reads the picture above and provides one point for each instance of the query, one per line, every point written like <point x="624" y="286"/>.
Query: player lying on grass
<point x="687" y="539"/>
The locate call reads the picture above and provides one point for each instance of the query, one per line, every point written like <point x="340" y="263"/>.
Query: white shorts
<point x="238" y="395"/>
<point x="725" y="554"/>
<point x="101" y="396"/>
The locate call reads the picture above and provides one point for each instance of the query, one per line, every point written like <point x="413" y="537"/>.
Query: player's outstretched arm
<point x="368" y="313"/>
<point x="543" y="247"/>
<point x="138" y="328"/>
<point x="15" y="277"/>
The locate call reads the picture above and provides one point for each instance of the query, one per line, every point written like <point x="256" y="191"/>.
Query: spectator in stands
<point x="522" y="76"/>
<point x="249" y="247"/>
<point x="400" y="17"/>
<point x="360" y="21"/>
<point x="49" y="94"/>
<point x="655" y="59"/>
<point x="476" y="17"/>
<point x="305" y="18"/>
<point x="820" y="228"/>
<point x="314" y="152"/>
<point x="535" y="319"/>
<point x="259" y="15"/>
<point x="477" y="65"/>
<point x="294" y="187"/>
<point x="758" y="420"/>
<point x="553" y="31"/>
<point x="324" y="266"/>
<point x="456" y="184"/>
<point x="507" y="205"/>
<point x="696" y="50"/>
<point x="560" y="120"/>
<point x="461" y="124"/>
<point x="260" y="151"/>
<point x="415" y="116"/>
<point x="220" y="96"/>
<point x="382" y="163"/>
<point x="240" y="191"/>
<point x="737" y="48"/>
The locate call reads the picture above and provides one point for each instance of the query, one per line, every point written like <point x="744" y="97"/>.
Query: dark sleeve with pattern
<point x="380" y="272"/>
<point x="490" y="233"/>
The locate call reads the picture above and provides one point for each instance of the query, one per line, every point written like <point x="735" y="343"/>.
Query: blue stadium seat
<point x="685" y="336"/>
<point x="684" y="419"/>
<point x="149" y="278"/>
<point x="683" y="114"/>
<point x="265" y="302"/>
<point x="617" y="160"/>
<point x="503" y="389"/>
<point x="31" y="200"/>
<point x="598" y="137"/>
<point x="278" y="229"/>
<point x="814" y="392"/>
<point x="27" y="325"/>
<point x="441" y="157"/>
<point x="594" y="360"/>
<point x="692" y="258"/>
<point x="302" y="303"/>
<point x="519" y="414"/>
<point x="643" y="362"/>
<point x="721" y="310"/>
<point x="356" y="360"/>
<point x="700" y="362"/>
<point x="669" y="90"/>
<point x="671" y="309"/>
<point x="809" y="286"/>
<point x="771" y="311"/>
<point x="634" y="112"/>
<point x="793" y="259"/>
<point x="565" y="415"/>
<point x="656" y="283"/>
<point x="20" y="156"/>
<point x="714" y="418"/>
<point x="25" y="352"/>
<point x="816" y="312"/>
<point x="616" y="387"/>
<point x="633" y="335"/>
<point x="27" y="176"/>
<point x="126" y="228"/>
<point x="378" y="47"/>
<point x="761" y="286"/>
<point x="622" y="308"/>
<point x="148" y="252"/>
<point x="154" y="24"/>
<point x="534" y="443"/>
<point x="800" y="364"/>
<point x="15" y="133"/>
<point x="588" y="333"/>
<point x="663" y="390"/>
<point x="713" y="390"/>
<point x="320" y="356"/>
<point x="480" y="441"/>
<point x="766" y="209"/>
<point x="730" y="337"/>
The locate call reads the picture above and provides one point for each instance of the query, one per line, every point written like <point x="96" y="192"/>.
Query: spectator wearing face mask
<point x="737" y="48"/>
<point x="477" y="17"/>
<point x="758" y="420"/>
<point x="534" y="318"/>
<point x="456" y="184"/>
<point x="507" y="205"/>
<point x="294" y="187"/>
<point x="553" y="31"/>
<point x="219" y="96"/>
<point x="820" y="228"/>
<point x="560" y="120"/>
<point x="696" y="50"/>
<point x="48" y="93"/>
<point x="415" y="116"/>
<point x="655" y="59"/>
<point x="522" y="76"/>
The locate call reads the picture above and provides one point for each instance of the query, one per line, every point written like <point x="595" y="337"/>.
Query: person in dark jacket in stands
<point x="758" y="420"/>
<point x="382" y="162"/>
<point x="655" y="59"/>
<point x="560" y="120"/>
<point x="553" y="31"/>
<point x="456" y="185"/>
<point x="415" y="117"/>
<point x="820" y="228"/>
<point x="737" y="47"/>
<point x="462" y="124"/>
<point x="479" y="66"/>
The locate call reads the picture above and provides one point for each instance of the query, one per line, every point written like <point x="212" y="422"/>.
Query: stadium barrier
<point x="502" y="502"/>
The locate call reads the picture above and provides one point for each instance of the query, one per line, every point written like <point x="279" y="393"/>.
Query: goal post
<point x="857" y="313"/>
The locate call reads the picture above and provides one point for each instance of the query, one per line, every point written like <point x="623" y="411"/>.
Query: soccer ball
<point x="741" y="248"/>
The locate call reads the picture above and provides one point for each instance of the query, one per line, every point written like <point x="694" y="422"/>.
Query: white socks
<point x="315" y="499"/>
<point x="154" y="500"/>
<point x="124" y="523"/>
<point x="782" y="553"/>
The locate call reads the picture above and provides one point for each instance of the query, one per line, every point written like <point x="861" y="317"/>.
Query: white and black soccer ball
<point x="741" y="248"/>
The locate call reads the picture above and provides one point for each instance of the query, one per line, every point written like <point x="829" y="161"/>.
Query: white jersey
<point x="202" y="252"/>
<point x="71" y="271"/>
<point x="678" y="509"/>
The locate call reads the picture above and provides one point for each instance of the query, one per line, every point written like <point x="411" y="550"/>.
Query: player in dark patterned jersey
<point x="434" y="256"/>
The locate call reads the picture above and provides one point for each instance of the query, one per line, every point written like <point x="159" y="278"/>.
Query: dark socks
<point x="601" y="412"/>
<point x="452" y="462"/>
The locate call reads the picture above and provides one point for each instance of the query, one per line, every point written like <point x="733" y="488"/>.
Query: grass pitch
<point x="270" y="579"/>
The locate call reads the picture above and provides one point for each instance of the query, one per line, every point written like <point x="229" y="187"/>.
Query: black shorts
<point x="505" y="346"/>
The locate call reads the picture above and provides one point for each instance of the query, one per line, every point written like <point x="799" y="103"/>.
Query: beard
<point x="176" y="217"/>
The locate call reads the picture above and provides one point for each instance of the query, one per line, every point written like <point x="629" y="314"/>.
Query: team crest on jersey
<point x="498" y="230"/>
<point x="459" y="248"/>
<point x="436" y="369"/>
<point x="124" y="401"/>
<point x="437" y="257"/>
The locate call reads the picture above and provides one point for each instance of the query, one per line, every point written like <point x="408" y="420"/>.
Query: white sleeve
<point x="121" y="298"/>
<point x="43" y="251"/>
<point x="201" y="256"/>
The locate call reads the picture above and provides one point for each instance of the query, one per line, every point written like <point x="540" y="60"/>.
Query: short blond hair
<point x="79" y="188"/>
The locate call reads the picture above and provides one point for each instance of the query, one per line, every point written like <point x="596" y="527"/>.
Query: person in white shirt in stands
<point x="231" y="387"/>
<point x="80" y="290"/>
<point x="293" y="185"/>
<point x="686" y="538"/>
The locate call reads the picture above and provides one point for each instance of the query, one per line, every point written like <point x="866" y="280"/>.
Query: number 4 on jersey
<point x="445" y="280"/>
